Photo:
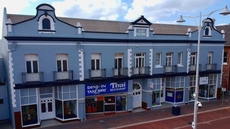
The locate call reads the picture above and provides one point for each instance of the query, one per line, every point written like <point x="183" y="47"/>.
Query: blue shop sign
<point x="112" y="87"/>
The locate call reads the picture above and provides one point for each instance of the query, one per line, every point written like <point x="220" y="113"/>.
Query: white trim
<point x="40" y="25"/>
<point x="129" y="61"/>
<point x="151" y="61"/>
<point x="12" y="85"/>
<point x="81" y="65"/>
<point x="122" y="44"/>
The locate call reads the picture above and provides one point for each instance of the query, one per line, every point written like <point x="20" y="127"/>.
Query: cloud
<point x="157" y="9"/>
<point x="94" y="9"/>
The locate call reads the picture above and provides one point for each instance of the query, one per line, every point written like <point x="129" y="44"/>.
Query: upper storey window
<point x="207" y="31"/>
<point x="46" y="24"/>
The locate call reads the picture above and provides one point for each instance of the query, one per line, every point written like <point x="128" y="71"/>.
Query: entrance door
<point x="136" y="95"/>
<point x="46" y="108"/>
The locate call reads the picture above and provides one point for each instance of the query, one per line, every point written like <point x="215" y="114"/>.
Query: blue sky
<point x="156" y="11"/>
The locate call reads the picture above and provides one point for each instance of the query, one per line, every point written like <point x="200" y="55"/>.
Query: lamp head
<point x="225" y="11"/>
<point x="181" y="19"/>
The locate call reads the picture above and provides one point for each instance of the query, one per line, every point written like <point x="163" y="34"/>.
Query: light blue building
<point x="67" y="68"/>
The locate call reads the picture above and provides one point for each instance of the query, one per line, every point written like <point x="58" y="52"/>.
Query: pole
<point x="197" y="77"/>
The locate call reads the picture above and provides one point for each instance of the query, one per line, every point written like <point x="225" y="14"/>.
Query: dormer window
<point x="207" y="31"/>
<point x="46" y="24"/>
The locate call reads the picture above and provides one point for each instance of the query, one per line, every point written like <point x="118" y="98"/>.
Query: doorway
<point x="137" y="95"/>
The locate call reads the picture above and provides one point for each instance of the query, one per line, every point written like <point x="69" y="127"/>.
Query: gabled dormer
<point x="208" y="25"/>
<point x="45" y="20"/>
<point x="141" y="27"/>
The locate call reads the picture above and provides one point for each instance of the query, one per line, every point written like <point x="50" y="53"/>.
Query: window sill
<point x="179" y="65"/>
<point x="47" y="31"/>
<point x="158" y="66"/>
<point x="225" y="63"/>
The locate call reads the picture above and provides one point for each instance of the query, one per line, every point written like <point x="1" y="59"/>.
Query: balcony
<point x="99" y="73"/>
<point x="63" y="76"/>
<point x="121" y="72"/>
<point x="192" y="68"/>
<point x="141" y="70"/>
<point x="170" y="69"/>
<point x="32" y="77"/>
<point x="211" y="67"/>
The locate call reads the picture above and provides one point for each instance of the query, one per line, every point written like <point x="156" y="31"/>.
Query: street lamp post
<point x="199" y="26"/>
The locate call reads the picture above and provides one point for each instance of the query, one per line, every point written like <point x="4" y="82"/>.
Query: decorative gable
<point x="141" y="27"/>
<point x="45" y="21"/>
<point x="208" y="25"/>
<point x="142" y="21"/>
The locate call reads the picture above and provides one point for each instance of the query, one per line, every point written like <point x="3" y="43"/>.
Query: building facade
<point x="67" y="68"/>
<point x="226" y="59"/>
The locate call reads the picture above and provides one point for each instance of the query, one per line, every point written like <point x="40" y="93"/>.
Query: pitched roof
<point x="121" y="26"/>
<point x="109" y="26"/>
<point x="226" y="29"/>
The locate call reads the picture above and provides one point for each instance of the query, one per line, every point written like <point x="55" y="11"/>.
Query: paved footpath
<point x="161" y="118"/>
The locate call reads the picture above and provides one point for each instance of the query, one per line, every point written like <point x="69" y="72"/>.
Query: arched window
<point x="206" y="31"/>
<point x="46" y="23"/>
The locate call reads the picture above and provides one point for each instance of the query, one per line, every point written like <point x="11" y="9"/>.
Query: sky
<point x="156" y="11"/>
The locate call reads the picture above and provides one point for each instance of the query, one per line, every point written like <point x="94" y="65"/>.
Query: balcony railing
<point x="141" y="70"/>
<point x="170" y="69"/>
<point x="192" y="68"/>
<point x="210" y="67"/>
<point x="63" y="76"/>
<point x="32" y="77"/>
<point x="100" y="73"/>
<point x="120" y="72"/>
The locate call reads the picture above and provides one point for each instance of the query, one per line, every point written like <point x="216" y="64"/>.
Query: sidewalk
<point x="120" y="120"/>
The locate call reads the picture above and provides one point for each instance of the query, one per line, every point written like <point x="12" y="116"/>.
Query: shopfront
<point x="175" y="89"/>
<point x="48" y="102"/>
<point x="108" y="97"/>
<point x="208" y="86"/>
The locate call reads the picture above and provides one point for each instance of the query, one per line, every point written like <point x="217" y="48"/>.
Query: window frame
<point x="158" y="59"/>
<point x="139" y="60"/>
<point x="210" y="58"/>
<point x="95" y="61"/>
<point x="118" y="60"/>
<point x="169" y="56"/>
<point x="180" y="59"/>
<point x="225" y="58"/>
<point x="193" y="58"/>
<point x="63" y="59"/>
<point x="31" y="63"/>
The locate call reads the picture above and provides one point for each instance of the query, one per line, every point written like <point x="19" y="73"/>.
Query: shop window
<point x="70" y="109"/>
<point x="121" y="103"/>
<point x="94" y="104"/>
<point x="66" y="102"/>
<point x="59" y="111"/>
<point x="29" y="114"/>
<point x="156" y="97"/>
<point x="29" y="106"/>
